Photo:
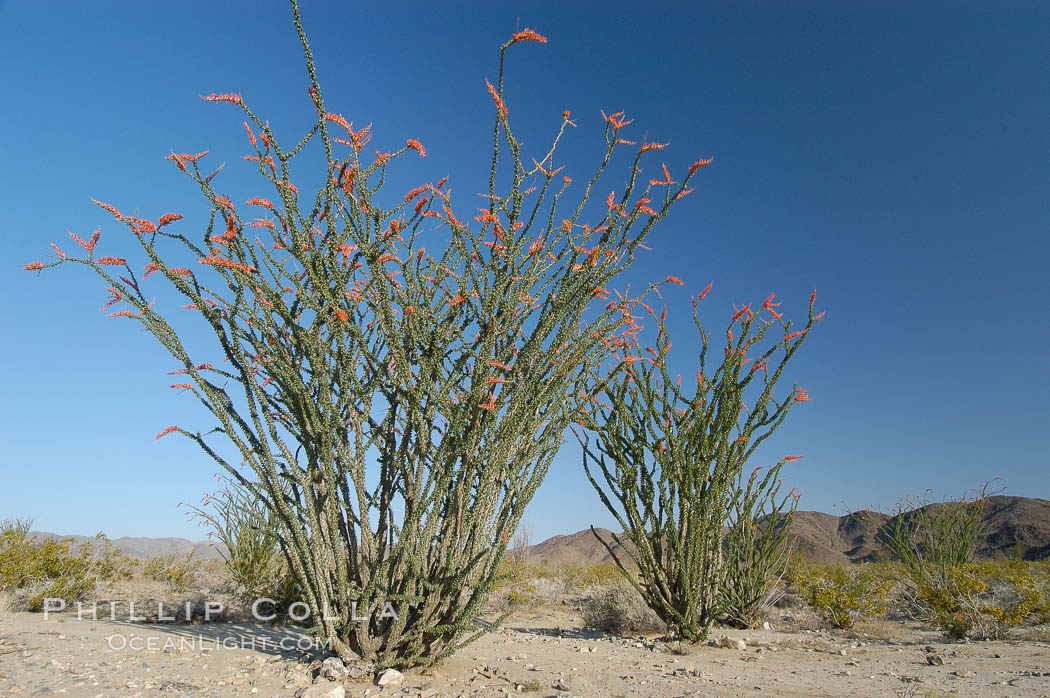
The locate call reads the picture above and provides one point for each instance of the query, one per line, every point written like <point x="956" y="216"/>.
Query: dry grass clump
<point x="620" y="609"/>
<point x="523" y="585"/>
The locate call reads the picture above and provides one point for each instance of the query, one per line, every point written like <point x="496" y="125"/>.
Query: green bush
<point x="982" y="601"/>
<point x="843" y="594"/>
<point x="177" y="570"/>
<point x="936" y="544"/>
<point x="37" y="569"/>
<point x="110" y="563"/>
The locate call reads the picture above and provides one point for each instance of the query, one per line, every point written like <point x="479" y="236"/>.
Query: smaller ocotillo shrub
<point x="930" y="537"/>
<point x="620" y="609"/>
<point x="670" y="459"/>
<point x="757" y="550"/>
<point x="177" y="570"/>
<point x="842" y="595"/>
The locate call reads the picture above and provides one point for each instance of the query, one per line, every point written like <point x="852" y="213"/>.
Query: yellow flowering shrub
<point x="50" y="568"/>
<point x="982" y="600"/>
<point x="843" y="594"/>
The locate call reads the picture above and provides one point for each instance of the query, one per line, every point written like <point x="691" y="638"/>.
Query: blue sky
<point x="891" y="155"/>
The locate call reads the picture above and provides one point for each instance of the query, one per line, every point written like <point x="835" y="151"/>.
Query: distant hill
<point x="1009" y="521"/>
<point x="145" y="548"/>
<point x="580" y="548"/>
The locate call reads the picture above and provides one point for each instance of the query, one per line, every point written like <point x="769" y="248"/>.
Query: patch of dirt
<point x="539" y="652"/>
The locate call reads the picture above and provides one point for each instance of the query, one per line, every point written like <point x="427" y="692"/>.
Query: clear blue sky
<point x="892" y="155"/>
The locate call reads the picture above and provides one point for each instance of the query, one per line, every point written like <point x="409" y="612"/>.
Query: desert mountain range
<point x="1011" y="524"/>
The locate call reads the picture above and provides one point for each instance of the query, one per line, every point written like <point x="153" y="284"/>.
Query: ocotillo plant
<point x="931" y="537"/>
<point x="935" y="543"/>
<point x="671" y="461"/>
<point x="393" y="377"/>
<point x="757" y="546"/>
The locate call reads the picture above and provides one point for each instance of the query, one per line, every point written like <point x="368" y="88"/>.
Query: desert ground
<point x="544" y="647"/>
<point x="542" y="652"/>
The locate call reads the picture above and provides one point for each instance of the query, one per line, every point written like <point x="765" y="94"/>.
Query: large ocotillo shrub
<point x="670" y="462"/>
<point x="394" y="405"/>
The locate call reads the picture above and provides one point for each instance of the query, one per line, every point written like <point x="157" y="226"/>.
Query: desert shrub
<point x="32" y="570"/>
<point x="177" y="570"/>
<point x="576" y="578"/>
<point x="619" y="608"/>
<point x="671" y="463"/>
<point x="983" y="600"/>
<point x="1040" y="571"/>
<point x="110" y="563"/>
<point x="513" y="587"/>
<point x="929" y="538"/>
<point x="843" y="594"/>
<point x="935" y="543"/>
<point x="522" y="584"/>
<point x="757" y="550"/>
<point x="395" y="406"/>
<point x="251" y="545"/>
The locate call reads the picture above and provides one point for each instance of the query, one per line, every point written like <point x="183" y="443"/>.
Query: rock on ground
<point x="323" y="690"/>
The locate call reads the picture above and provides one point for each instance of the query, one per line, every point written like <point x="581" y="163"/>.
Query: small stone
<point x="560" y="685"/>
<point x="731" y="644"/>
<point x="965" y="674"/>
<point x="333" y="669"/>
<point x="766" y="626"/>
<point x="842" y="652"/>
<point x="390" y="677"/>
<point x="322" y="690"/>
<point x="359" y="669"/>
<point x="934" y="659"/>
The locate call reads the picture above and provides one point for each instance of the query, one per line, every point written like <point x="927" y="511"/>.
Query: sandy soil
<point x="535" y="653"/>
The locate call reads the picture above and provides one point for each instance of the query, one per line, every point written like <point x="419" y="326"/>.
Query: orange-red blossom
<point x="416" y="146"/>
<point x="500" y="106"/>
<point x="528" y="35"/>
<point x="166" y="432"/>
